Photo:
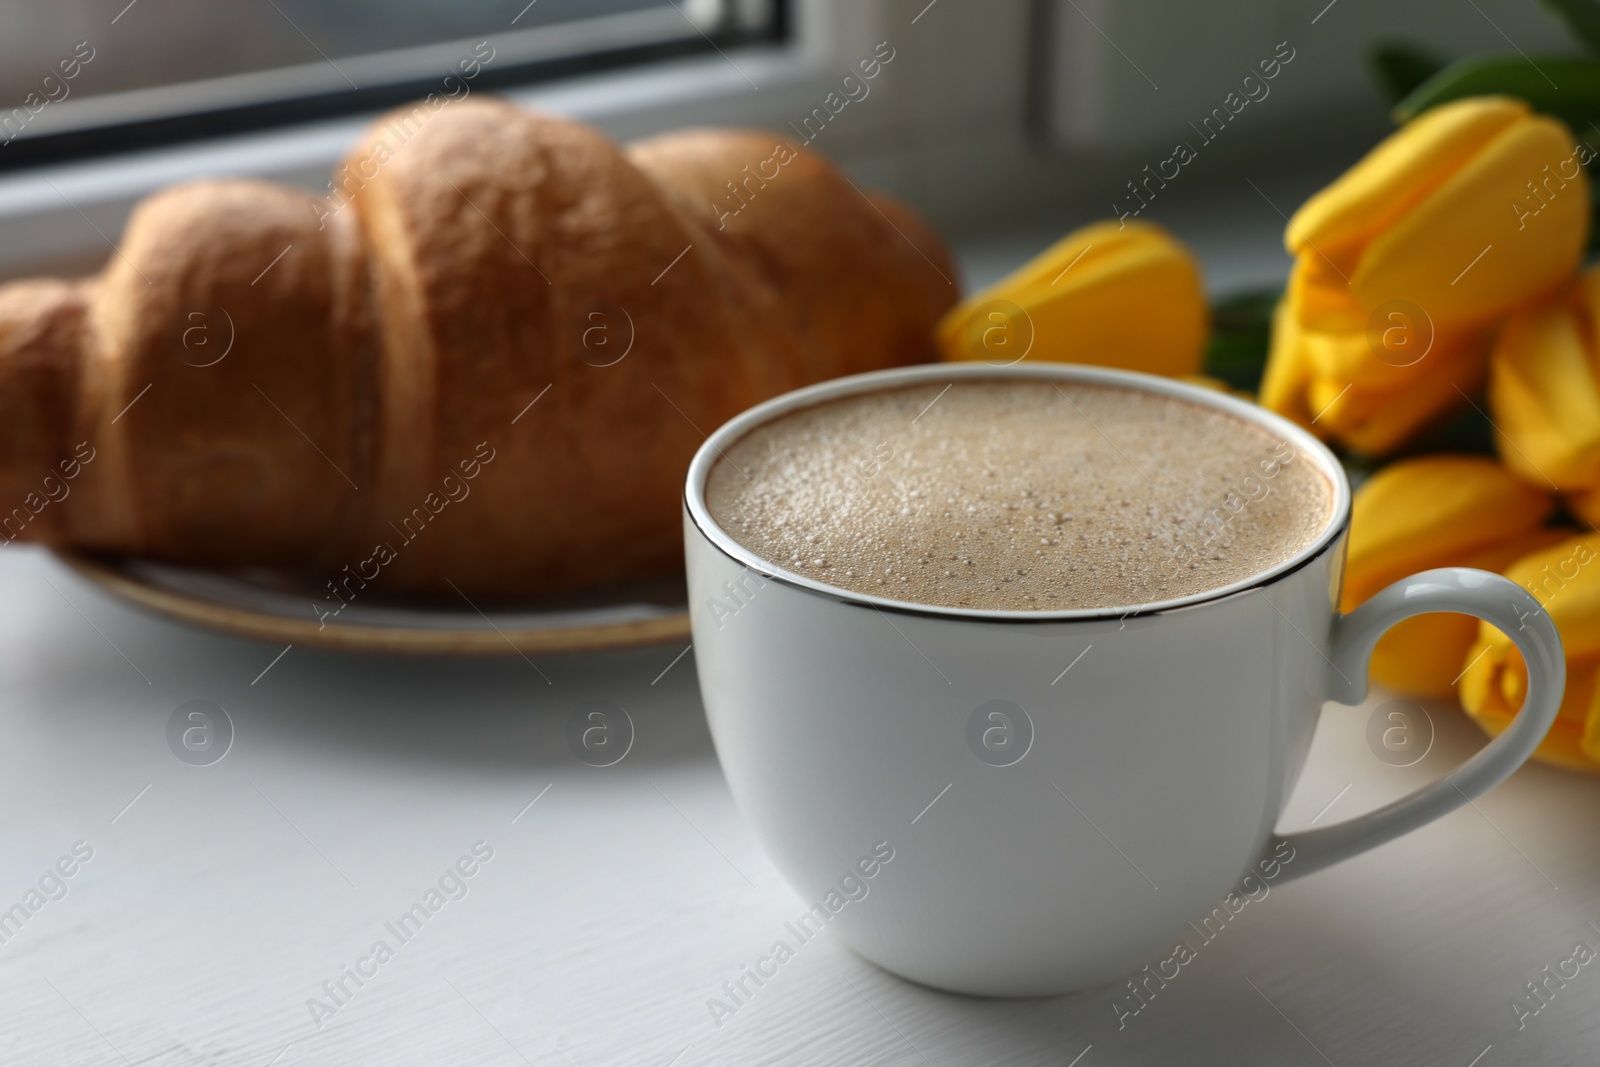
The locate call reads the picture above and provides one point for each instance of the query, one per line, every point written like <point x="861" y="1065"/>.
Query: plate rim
<point x="361" y="637"/>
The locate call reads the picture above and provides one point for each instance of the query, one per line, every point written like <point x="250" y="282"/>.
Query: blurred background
<point x="1005" y="121"/>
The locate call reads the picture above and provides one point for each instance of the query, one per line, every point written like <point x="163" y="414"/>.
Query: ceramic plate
<point x="274" y="606"/>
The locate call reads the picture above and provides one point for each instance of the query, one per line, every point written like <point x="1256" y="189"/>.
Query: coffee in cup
<point x="1019" y="495"/>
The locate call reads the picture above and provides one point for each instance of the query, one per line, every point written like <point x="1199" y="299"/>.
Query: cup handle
<point x="1495" y="600"/>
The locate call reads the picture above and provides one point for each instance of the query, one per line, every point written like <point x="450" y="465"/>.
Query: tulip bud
<point x="1565" y="579"/>
<point x="1544" y="396"/>
<point x="1404" y="265"/>
<point x="1111" y="294"/>
<point x="1436" y="511"/>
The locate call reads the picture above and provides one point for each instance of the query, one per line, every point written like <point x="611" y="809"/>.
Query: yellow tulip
<point x="1112" y="294"/>
<point x="1437" y="511"/>
<point x="1544" y="393"/>
<point x="1405" y="264"/>
<point x="1566" y="580"/>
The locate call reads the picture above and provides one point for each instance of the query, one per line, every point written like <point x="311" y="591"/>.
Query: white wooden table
<point x="220" y="899"/>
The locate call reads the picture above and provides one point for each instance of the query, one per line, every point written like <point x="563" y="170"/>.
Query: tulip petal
<point x="1396" y="175"/>
<point x="1133" y="300"/>
<point x="1332" y="370"/>
<point x="1422" y="656"/>
<point x="1464" y="253"/>
<point x="1565" y="578"/>
<point x="1336" y="334"/>
<point x="1084" y="247"/>
<point x="1568" y="744"/>
<point x="1376" y="419"/>
<point x="1439" y="511"/>
<point x="1288" y="372"/>
<point x="1321" y="297"/>
<point x="1545" y="398"/>
<point x="1359" y="358"/>
<point x="1589" y="741"/>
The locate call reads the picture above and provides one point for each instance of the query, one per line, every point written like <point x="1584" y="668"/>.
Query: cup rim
<point x="724" y="436"/>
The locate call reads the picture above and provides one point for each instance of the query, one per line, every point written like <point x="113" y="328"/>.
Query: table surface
<point x="218" y="900"/>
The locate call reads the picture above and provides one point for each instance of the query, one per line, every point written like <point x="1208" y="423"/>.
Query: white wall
<point x="957" y="138"/>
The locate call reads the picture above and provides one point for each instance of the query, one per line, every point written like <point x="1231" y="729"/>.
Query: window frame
<point x="66" y="217"/>
<point x="288" y="95"/>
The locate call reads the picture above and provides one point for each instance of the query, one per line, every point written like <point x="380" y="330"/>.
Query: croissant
<point x="482" y="363"/>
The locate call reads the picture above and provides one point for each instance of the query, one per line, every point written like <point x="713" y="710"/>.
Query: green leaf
<point x="1564" y="86"/>
<point x="1241" y="334"/>
<point x="1401" y="66"/>
<point x="1582" y="18"/>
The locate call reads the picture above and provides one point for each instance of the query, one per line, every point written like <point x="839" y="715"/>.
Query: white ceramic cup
<point x="1052" y="831"/>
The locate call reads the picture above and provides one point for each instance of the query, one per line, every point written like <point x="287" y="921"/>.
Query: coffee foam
<point x="1021" y="495"/>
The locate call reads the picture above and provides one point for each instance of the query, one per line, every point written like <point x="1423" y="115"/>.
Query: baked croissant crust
<point x="482" y="364"/>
